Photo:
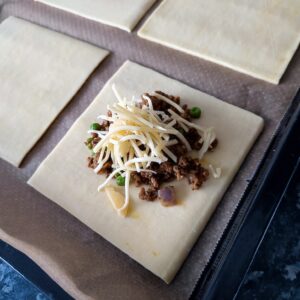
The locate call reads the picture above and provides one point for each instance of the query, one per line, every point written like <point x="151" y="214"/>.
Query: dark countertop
<point x="15" y="286"/>
<point x="27" y="281"/>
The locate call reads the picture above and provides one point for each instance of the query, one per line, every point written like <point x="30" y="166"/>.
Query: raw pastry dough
<point x="258" y="38"/>
<point x="118" y="13"/>
<point x="157" y="237"/>
<point x="40" y="71"/>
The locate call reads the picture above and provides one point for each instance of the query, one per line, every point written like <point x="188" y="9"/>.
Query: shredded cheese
<point x="138" y="136"/>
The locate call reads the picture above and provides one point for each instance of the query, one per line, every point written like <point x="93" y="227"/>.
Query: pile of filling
<point x="149" y="141"/>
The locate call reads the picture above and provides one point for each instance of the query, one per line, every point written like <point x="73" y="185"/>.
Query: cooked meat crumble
<point x="186" y="167"/>
<point x="150" y="194"/>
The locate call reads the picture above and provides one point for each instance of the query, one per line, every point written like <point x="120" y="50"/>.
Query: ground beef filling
<point x="186" y="167"/>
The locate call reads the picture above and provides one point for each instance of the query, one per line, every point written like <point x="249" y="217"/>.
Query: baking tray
<point x="235" y="252"/>
<point x="234" y="88"/>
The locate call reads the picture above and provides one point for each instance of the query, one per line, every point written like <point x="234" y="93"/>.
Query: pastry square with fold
<point x="124" y="14"/>
<point x="40" y="72"/>
<point x="157" y="237"/>
<point x="258" y="38"/>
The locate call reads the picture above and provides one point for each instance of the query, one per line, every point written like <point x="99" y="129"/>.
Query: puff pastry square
<point x="40" y="71"/>
<point x="124" y="14"/>
<point x="157" y="237"/>
<point x="258" y="38"/>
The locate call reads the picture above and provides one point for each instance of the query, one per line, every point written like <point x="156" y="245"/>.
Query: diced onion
<point x="216" y="172"/>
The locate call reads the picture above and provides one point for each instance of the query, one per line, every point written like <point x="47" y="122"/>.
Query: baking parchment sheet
<point x="82" y="262"/>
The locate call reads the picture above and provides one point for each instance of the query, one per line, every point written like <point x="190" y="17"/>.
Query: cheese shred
<point x="138" y="135"/>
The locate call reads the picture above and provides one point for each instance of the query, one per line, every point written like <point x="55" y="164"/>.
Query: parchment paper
<point x="84" y="264"/>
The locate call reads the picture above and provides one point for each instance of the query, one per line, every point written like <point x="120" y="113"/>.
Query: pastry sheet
<point x="80" y="260"/>
<point x="161" y="229"/>
<point x="124" y="14"/>
<point x="40" y="71"/>
<point x="258" y="38"/>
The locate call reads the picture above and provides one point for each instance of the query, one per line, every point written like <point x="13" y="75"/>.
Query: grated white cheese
<point x="138" y="136"/>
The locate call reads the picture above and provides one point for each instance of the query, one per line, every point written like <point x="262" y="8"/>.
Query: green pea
<point x="120" y="180"/>
<point x="95" y="126"/>
<point x="195" y="112"/>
